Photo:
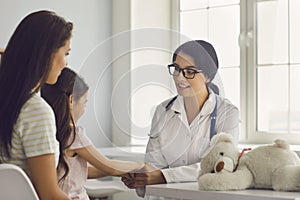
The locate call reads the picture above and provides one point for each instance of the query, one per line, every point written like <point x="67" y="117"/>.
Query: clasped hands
<point x="148" y="175"/>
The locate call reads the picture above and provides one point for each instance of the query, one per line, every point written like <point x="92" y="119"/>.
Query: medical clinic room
<point x="150" y="99"/>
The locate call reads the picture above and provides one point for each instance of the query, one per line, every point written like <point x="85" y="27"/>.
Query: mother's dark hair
<point x="25" y="65"/>
<point x="205" y="58"/>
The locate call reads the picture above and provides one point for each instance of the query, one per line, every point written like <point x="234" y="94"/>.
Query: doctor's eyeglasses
<point x="187" y="72"/>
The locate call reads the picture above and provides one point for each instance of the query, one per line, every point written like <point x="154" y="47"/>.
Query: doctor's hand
<point x="147" y="176"/>
<point x="128" y="179"/>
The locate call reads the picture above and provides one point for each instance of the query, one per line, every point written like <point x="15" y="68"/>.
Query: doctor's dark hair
<point x="57" y="96"/>
<point x="25" y="66"/>
<point x="205" y="58"/>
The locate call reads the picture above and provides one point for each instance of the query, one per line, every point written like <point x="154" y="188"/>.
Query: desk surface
<point x="190" y="191"/>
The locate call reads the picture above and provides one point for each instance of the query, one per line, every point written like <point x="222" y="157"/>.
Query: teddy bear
<point x="273" y="166"/>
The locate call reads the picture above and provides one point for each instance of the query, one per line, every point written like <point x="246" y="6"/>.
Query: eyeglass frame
<point x="195" y="71"/>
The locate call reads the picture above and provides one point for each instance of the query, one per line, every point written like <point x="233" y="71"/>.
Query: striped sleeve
<point x="37" y="129"/>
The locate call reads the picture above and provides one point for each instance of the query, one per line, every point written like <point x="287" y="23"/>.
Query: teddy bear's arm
<point x="239" y="180"/>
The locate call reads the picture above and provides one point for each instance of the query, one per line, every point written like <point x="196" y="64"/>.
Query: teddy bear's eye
<point x="222" y="153"/>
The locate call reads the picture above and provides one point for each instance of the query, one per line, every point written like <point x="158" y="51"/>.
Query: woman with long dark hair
<point x="35" y="54"/>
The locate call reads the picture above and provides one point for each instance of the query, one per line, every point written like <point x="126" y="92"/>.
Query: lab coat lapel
<point x="179" y="107"/>
<point x="176" y="145"/>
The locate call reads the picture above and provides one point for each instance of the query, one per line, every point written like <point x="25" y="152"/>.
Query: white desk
<point x="131" y="153"/>
<point x="190" y="191"/>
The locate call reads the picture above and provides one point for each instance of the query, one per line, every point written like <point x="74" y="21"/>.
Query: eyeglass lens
<point x="187" y="73"/>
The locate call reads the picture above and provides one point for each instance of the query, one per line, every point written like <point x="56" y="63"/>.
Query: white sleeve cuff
<point x="182" y="173"/>
<point x="168" y="175"/>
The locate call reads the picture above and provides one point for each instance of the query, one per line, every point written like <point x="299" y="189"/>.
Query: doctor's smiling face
<point x="188" y="87"/>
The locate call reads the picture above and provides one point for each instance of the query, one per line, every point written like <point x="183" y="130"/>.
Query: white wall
<point x="142" y="49"/>
<point x="151" y="52"/>
<point x="92" y="26"/>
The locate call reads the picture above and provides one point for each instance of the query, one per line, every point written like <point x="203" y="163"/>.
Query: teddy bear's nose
<point x="222" y="153"/>
<point x="220" y="166"/>
<point x="224" y="164"/>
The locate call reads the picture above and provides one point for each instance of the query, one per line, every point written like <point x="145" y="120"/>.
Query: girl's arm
<point x="95" y="173"/>
<point x="106" y="166"/>
<point x="43" y="176"/>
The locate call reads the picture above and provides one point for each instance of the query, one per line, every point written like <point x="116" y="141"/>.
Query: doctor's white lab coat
<point x="177" y="147"/>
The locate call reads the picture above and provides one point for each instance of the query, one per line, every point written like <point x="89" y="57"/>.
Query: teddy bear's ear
<point x="221" y="137"/>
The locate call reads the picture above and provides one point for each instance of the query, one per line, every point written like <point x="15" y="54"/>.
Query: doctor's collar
<point x="209" y="104"/>
<point x="174" y="104"/>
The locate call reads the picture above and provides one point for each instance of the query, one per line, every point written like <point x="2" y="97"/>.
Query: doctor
<point x="182" y="126"/>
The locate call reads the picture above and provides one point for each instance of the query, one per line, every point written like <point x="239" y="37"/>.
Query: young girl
<point x="36" y="53"/>
<point x="68" y="98"/>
